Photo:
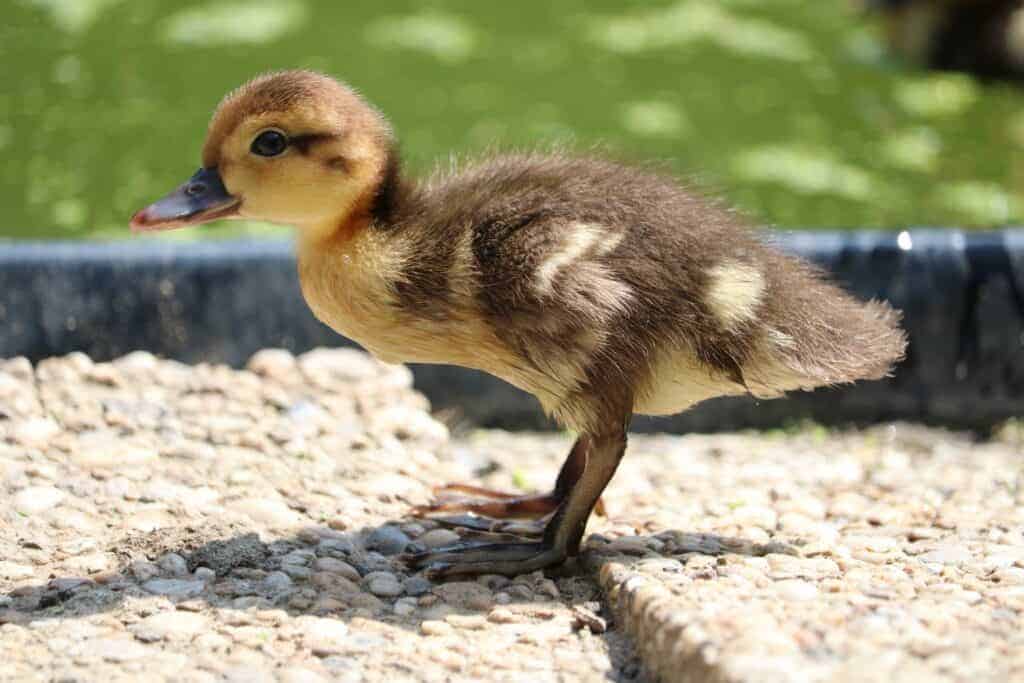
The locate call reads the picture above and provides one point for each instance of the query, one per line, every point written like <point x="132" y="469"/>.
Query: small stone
<point x="169" y="625"/>
<point x="36" y="432"/>
<point x="144" y="571"/>
<point x="1009" y="576"/>
<point x="204" y="574"/>
<point x="225" y="555"/>
<point x="950" y="554"/>
<point x="35" y="499"/>
<point x="383" y="584"/>
<point x="338" y="523"/>
<point x="465" y="594"/>
<point x="438" y="538"/>
<point x="12" y="571"/>
<point x="324" y="636"/>
<point x="387" y="539"/>
<point x="417" y="586"/>
<point x="432" y="627"/>
<point x="68" y="584"/>
<point x="408" y="423"/>
<point x="404" y="607"/>
<point x="276" y="364"/>
<point x="755" y="515"/>
<point x="335" y="547"/>
<point x="470" y="622"/>
<point x="336" y="566"/>
<point x="333" y="583"/>
<point x="277" y="582"/>
<point x="173" y="564"/>
<point x="627" y="545"/>
<point x="796" y="590"/>
<point x="548" y="588"/>
<point x="115" y="649"/>
<point x="174" y="588"/>
<point x="502" y="615"/>
<point x="585" y="618"/>
<point x="270" y="511"/>
<point x="299" y="675"/>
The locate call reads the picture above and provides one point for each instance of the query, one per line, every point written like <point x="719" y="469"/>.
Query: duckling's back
<point x="612" y="283"/>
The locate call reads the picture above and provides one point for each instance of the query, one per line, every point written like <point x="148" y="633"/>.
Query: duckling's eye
<point x="269" y="143"/>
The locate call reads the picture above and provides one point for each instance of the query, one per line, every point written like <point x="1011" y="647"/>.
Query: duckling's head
<point x="292" y="147"/>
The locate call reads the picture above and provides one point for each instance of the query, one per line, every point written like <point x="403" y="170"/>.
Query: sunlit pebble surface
<point x="166" y="522"/>
<point x="171" y="522"/>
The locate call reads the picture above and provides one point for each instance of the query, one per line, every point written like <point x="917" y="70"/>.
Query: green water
<point x="787" y="108"/>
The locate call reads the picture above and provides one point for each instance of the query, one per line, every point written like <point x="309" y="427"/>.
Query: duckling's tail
<point x="819" y="335"/>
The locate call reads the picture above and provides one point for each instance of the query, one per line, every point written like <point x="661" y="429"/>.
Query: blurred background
<point x="803" y="113"/>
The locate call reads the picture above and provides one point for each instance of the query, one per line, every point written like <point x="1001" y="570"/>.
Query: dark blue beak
<point x="200" y="200"/>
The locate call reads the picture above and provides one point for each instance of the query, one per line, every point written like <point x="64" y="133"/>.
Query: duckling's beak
<point x="200" y="200"/>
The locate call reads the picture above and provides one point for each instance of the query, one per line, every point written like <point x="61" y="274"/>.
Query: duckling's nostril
<point x="195" y="189"/>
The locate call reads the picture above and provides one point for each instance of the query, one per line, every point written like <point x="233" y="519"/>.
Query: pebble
<point x="336" y="566"/>
<point x="13" y="572"/>
<point x="170" y="625"/>
<point x="35" y="432"/>
<point x="324" y="636"/>
<point x="173" y="564"/>
<point x="432" y="627"/>
<point x="417" y="586"/>
<point x="335" y="547"/>
<point x="950" y="554"/>
<point x="36" y="499"/>
<point x="272" y="512"/>
<point x="387" y="539"/>
<point x="144" y="571"/>
<point x="174" y="588"/>
<point x="115" y="649"/>
<point x="405" y="606"/>
<point x="502" y="615"/>
<point x="438" y="538"/>
<point x="383" y="584"/>
<point x="277" y="364"/>
<point x="586" y="618"/>
<point x="226" y="554"/>
<point x="755" y="515"/>
<point x="204" y="574"/>
<point x="469" y="622"/>
<point x="299" y="675"/>
<point x="796" y="590"/>
<point x="277" y="582"/>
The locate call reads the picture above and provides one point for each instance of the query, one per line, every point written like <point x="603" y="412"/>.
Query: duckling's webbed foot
<point x="487" y="558"/>
<point x="496" y="504"/>
<point x="562" y="534"/>
<point x="503" y="505"/>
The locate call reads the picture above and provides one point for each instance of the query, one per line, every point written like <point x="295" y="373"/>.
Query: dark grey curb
<point x="962" y="295"/>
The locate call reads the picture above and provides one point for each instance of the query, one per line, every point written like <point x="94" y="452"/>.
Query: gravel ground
<point x="167" y="522"/>
<point x="890" y="554"/>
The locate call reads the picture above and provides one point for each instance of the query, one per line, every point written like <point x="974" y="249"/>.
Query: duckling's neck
<point x="391" y="193"/>
<point x="378" y="208"/>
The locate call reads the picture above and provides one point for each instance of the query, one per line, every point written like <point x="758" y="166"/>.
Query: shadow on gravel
<point x="352" y="574"/>
<point x="330" y="573"/>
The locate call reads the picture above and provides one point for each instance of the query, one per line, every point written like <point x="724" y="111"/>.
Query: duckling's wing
<point x="612" y="284"/>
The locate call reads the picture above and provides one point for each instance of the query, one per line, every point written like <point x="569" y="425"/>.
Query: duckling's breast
<point x="354" y="289"/>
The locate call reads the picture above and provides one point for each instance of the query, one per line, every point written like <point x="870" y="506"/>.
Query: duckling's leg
<point x="563" y="533"/>
<point x="502" y="505"/>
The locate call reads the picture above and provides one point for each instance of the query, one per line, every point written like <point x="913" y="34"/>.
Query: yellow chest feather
<point x="350" y="288"/>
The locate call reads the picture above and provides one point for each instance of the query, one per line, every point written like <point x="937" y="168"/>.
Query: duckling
<point x="602" y="289"/>
<point x="982" y="37"/>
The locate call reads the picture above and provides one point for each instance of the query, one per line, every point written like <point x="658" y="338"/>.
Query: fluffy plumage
<point x="603" y="289"/>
